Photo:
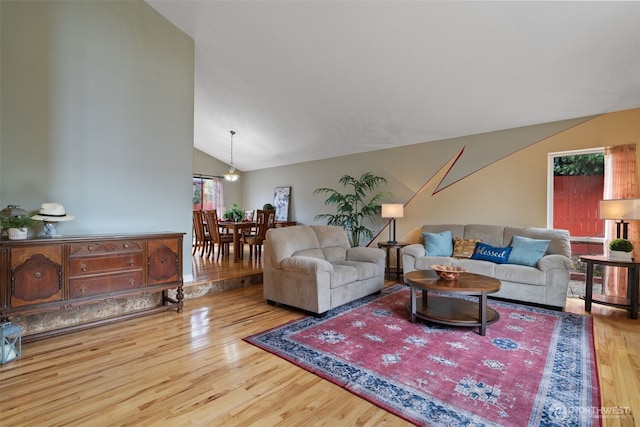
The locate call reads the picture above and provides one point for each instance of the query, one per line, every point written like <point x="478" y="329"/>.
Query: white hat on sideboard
<point x="52" y="212"/>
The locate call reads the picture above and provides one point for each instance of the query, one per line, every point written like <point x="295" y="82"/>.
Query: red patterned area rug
<point x="533" y="367"/>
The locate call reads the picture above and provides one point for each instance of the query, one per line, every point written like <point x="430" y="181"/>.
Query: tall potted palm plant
<point x="354" y="207"/>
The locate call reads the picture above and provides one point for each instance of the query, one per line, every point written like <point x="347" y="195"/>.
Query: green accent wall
<point x="97" y="114"/>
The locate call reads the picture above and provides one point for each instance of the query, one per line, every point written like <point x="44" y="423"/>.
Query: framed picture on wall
<point x="281" y="202"/>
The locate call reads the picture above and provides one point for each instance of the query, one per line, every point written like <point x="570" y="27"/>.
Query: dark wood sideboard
<point x="50" y="274"/>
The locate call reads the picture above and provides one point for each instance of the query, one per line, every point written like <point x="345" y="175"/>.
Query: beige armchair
<point x="315" y="269"/>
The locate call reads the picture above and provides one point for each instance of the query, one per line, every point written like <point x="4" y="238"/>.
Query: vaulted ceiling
<point x="308" y="80"/>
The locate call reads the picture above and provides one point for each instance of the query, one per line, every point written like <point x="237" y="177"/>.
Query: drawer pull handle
<point x="83" y="288"/>
<point x="126" y="245"/>
<point x="83" y="267"/>
<point x="37" y="274"/>
<point x="131" y="281"/>
<point x="131" y="262"/>
<point x="162" y="261"/>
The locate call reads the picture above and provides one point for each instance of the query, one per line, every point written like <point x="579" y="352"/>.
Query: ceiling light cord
<point x="232" y="166"/>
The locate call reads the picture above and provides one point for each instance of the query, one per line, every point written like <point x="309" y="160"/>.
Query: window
<point x="575" y="188"/>
<point x="207" y="193"/>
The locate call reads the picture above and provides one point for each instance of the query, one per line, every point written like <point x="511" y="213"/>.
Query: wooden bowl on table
<point x="447" y="272"/>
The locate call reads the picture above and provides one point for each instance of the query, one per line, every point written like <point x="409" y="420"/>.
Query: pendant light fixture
<point x="232" y="175"/>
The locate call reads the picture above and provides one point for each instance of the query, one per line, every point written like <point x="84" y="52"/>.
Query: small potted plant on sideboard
<point x="620" y="250"/>
<point x="16" y="226"/>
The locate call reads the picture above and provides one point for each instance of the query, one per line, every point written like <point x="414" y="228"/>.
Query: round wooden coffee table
<point x="452" y="311"/>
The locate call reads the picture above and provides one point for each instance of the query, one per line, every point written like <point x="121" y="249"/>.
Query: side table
<point x="390" y="245"/>
<point x="633" y="278"/>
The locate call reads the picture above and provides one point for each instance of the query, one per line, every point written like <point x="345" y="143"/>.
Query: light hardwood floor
<point x="194" y="368"/>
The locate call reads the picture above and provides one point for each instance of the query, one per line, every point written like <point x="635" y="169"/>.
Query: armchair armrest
<point x="305" y="263"/>
<point x="363" y="254"/>
<point x="549" y="262"/>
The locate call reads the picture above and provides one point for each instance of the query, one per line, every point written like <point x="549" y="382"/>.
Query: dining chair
<point x="249" y="216"/>
<point x="221" y="239"/>
<point x="203" y="239"/>
<point x="264" y="219"/>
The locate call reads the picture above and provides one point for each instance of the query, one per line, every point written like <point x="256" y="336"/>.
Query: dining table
<point x="237" y="228"/>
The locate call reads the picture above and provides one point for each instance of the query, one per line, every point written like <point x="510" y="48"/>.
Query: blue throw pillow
<point x="438" y="244"/>
<point x="527" y="251"/>
<point x="486" y="252"/>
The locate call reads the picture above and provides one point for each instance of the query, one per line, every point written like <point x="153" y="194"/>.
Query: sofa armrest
<point x="409" y="255"/>
<point x="305" y="263"/>
<point x="363" y="254"/>
<point x="416" y="250"/>
<point x="549" y="262"/>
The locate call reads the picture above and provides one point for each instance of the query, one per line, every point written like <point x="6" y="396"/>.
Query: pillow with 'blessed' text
<point x="486" y="252"/>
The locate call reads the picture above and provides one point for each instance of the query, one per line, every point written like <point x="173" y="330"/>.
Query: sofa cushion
<point x="366" y="270"/>
<point x="334" y="253"/>
<point x="496" y="254"/>
<point x="423" y="262"/>
<point x="331" y="236"/>
<point x="527" y="251"/>
<point x="520" y="274"/>
<point x="486" y="268"/>
<point x="364" y="254"/>
<point x="313" y="253"/>
<point x="560" y="242"/>
<point x="287" y="241"/>
<point x="343" y="274"/>
<point x="490" y="234"/>
<point x="438" y="244"/>
<point x="464" y="248"/>
<point x="457" y="230"/>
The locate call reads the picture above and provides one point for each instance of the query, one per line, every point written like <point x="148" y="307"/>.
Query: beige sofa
<point x="314" y="268"/>
<point x="546" y="283"/>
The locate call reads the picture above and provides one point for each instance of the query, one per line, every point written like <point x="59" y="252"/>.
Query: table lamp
<point x="393" y="211"/>
<point x="620" y="210"/>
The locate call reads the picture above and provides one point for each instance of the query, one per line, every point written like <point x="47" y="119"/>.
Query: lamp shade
<point x="392" y="210"/>
<point x="618" y="209"/>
